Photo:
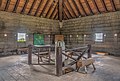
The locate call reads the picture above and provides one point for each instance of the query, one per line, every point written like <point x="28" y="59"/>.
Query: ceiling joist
<point x="32" y="6"/>
<point x="41" y="14"/>
<point x="24" y="7"/>
<point x="16" y="5"/>
<point x="88" y="6"/>
<point x="7" y="5"/>
<point x="82" y="7"/>
<point x="38" y="8"/>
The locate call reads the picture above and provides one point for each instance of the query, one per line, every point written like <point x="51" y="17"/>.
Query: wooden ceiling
<point x="70" y="8"/>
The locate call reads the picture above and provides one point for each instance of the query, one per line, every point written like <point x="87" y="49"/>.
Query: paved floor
<point x="15" y="68"/>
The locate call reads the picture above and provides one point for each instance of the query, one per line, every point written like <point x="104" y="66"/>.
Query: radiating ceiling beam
<point x="0" y="3"/>
<point x="82" y="7"/>
<point x="16" y="5"/>
<point x="65" y="15"/>
<point x="56" y="15"/>
<point x="32" y="6"/>
<point x="53" y="11"/>
<point x="71" y="8"/>
<point x="104" y="5"/>
<point x="113" y="5"/>
<point x="67" y="10"/>
<point x="38" y="8"/>
<point x="24" y="7"/>
<point x="41" y="14"/>
<point x="7" y="5"/>
<point x="95" y="4"/>
<point x="60" y="10"/>
<point x="88" y="6"/>
<point x="77" y="8"/>
<point x="49" y="8"/>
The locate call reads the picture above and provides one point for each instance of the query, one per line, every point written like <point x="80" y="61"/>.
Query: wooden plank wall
<point x="82" y="29"/>
<point x="12" y="23"/>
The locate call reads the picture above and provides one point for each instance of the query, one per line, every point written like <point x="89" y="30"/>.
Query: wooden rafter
<point x="77" y="8"/>
<point x="67" y="10"/>
<point x="88" y="6"/>
<point x="0" y="3"/>
<point x="44" y="8"/>
<point x="53" y="11"/>
<point x="38" y="8"/>
<point x="71" y="8"/>
<point x="49" y="9"/>
<point x="56" y="16"/>
<point x="16" y="5"/>
<point x="55" y="3"/>
<point x="32" y="6"/>
<point x="7" y="5"/>
<point x="24" y="7"/>
<point x="113" y="5"/>
<point x="82" y="7"/>
<point x="104" y="6"/>
<point x="65" y="15"/>
<point x="95" y="4"/>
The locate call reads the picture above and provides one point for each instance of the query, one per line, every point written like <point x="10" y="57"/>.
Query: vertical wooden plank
<point x="30" y="54"/>
<point x="58" y="61"/>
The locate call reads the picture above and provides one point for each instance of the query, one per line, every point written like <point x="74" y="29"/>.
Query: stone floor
<point x="15" y="68"/>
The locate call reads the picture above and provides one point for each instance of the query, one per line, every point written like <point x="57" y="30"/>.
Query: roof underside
<point x="49" y="8"/>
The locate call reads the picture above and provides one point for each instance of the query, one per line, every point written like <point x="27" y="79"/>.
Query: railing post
<point x="89" y="51"/>
<point x="30" y="54"/>
<point x="58" y="61"/>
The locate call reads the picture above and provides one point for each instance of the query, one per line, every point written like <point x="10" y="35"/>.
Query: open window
<point x="98" y="37"/>
<point x="21" y="37"/>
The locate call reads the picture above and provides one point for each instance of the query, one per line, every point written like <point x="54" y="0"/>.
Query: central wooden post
<point x="60" y="10"/>
<point x="58" y="61"/>
<point x="89" y="51"/>
<point x="30" y="54"/>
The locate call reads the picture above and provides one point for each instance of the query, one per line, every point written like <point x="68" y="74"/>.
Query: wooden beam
<point x="44" y="8"/>
<point x="95" y="4"/>
<point x="104" y="6"/>
<point x="16" y="5"/>
<point x="67" y="10"/>
<point x="32" y="6"/>
<point x="56" y="16"/>
<point x="113" y="5"/>
<point x="0" y="3"/>
<point x="38" y="8"/>
<point x="76" y="7"/>
<point x="71" y="8"/>
<point x="60" y="10"/>
<point x="53" y="11"/>
<point x="24" y="7"/>
<point x="88" y="6"/>
<point x="49" y="9"/>
<point x="58" y="61"/>
<point x="7" y="5"/>
<point x="55" y="3"/>
<point x="65" y="15"/>
<point x="82" y="7"/>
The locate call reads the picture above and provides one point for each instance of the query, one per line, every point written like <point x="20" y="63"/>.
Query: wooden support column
<point x="58" y="61"/>
<point x="89" y="51"/>
<point x="30" y="54"/>
<point x="60" y="10"/>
